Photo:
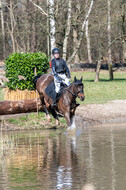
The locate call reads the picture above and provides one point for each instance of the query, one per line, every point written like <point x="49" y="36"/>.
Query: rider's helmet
<point x="55" y="50"/>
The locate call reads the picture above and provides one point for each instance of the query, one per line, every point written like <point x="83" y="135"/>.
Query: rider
<point x="60" y="71"/>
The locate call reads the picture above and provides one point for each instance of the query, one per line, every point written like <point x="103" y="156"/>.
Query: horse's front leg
<point x="72" y="114"/>
<point x="67" y="117"/>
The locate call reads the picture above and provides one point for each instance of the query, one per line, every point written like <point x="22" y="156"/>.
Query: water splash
<point x="72" y="126"/>
<point x="88" y="186"/>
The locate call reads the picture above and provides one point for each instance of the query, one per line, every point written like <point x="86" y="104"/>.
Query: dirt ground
<point x="113" y="111"/>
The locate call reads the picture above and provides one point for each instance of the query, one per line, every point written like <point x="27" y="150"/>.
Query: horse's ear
<point x="81" y="79"/>
<point x="74" y="79"/>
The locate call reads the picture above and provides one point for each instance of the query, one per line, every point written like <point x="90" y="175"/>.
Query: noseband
<point x="74" y="94"/>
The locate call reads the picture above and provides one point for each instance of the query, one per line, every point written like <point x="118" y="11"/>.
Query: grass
<point x="104" y="90"/>
<point x="33" y="120"/>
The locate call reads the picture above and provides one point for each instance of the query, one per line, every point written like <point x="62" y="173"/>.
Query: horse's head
<point x="78" y="88"/>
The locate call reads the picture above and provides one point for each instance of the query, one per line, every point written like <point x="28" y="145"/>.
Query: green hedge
<point x="24" y="64"/>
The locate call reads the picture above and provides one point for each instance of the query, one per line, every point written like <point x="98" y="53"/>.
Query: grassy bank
<point x="31" y="121"/>
<point x="104" y="90"/>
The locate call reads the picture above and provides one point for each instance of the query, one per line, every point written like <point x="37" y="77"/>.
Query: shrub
<point x="24" y="64"/>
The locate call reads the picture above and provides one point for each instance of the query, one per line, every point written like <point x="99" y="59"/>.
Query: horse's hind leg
<point x="54" y="114"/>
<point x="47" y="113"/>
<point x="45" y="104"/>
<point x="46" y="107"/>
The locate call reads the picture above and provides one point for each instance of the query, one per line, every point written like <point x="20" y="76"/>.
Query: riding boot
<point x="54" y="100"/>
<point x="77" y="104"/>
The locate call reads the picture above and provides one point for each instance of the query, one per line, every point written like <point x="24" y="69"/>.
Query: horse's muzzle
<point x="81" y="96"/>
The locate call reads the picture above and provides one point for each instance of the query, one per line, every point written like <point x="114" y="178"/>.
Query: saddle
<point x="50" y="91"/>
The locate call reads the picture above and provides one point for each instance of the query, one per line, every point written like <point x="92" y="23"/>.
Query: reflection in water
<point x="53" y="160"/>
<point x="113" y="158"/>
<point x="64" y="178"/>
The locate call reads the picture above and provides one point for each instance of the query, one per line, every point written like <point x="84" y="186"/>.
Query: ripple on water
<point x="51" y="160"/>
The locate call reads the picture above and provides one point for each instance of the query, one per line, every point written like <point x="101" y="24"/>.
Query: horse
<point x="66" y="105"/>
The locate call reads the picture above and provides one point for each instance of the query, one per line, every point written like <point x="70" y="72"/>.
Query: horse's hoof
<point x="57" y="122"/>
<point x="49" y="118"/>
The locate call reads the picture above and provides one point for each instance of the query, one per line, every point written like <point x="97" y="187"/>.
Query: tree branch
<point x="44" y="13"/>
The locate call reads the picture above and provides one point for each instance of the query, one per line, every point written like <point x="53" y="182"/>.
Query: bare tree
<point x="67" y="31"/>
<point x="98" y="64"/>
<point x="12" y="24"/>
<point x="77" y="10"/>
<point x="81" y="33"/>
<point x="48" y="30"/>
<point x="124" y="30"/>
<point x="109" y="42"/>
<point x="52" y="24"/>
<point x="88" y="38"/>
<point x="2" y="27"/>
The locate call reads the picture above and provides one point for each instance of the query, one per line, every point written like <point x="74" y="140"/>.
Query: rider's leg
<point x="65" y="79"/>
<point x="57" y="89"/>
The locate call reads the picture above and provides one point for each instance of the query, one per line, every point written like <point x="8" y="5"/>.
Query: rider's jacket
<point x="59" y="66"/>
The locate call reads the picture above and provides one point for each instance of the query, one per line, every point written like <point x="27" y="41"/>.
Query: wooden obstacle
<point x="22" y="106"/>
<point x="20" y="101"/>
<point x="17" y="95"/>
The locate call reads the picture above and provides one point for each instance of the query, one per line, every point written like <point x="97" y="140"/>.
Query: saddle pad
<point x="50" y="91"/>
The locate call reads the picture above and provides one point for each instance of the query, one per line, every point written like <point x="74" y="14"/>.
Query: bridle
<point x="74" y="94"/>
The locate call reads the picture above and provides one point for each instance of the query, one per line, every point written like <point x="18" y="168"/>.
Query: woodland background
<point x="86" y="31"/>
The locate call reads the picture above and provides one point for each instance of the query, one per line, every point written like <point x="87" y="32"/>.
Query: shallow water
<point x="53" y="159"/>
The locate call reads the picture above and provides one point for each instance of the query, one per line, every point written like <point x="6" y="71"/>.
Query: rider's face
<point x="56" y="55"/>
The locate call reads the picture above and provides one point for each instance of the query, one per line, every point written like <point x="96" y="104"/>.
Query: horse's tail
<point x="35" y="79"/>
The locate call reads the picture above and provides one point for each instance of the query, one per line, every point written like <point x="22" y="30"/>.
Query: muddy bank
<point x="113" y="111"/>
<point x="86" y="115"/>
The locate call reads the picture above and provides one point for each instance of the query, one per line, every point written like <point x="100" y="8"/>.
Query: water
<point x="49" y="160"/>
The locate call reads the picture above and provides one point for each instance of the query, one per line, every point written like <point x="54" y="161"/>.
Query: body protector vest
<point x="59" y="66"/>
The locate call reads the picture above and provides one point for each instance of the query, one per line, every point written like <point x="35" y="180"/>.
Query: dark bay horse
<point x="67" y="102"/>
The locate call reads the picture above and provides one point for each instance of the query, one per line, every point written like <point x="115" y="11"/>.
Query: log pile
<point x="22" y="106"/>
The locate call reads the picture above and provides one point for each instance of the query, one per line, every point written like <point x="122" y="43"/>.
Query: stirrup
<point x="77" y="104"/>
<point x="53" y="105"/>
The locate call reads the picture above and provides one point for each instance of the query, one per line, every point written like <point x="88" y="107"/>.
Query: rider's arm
<point x="67" y="69"/>
<point x="53" y="67"/>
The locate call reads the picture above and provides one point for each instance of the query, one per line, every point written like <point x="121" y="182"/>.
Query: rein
<point x="71" y="92"/>
<point x="67" y="89"/>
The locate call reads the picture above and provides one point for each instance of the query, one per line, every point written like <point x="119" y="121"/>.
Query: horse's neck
<point x="71" y="87"/>
<point x="71" y="91"/>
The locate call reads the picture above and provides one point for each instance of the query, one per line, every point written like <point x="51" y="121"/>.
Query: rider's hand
<point x="68" y="76"/>
<point x="59" y="78"/>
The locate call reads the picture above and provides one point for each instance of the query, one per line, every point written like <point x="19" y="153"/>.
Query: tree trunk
<point x="81" y="33"/>
<point x="2" y="27"/>
<point x="12" y="26"/>
<point x="48" y="30"/>
<point x="109" y="42"/>
<point x="22" y="106"/>
<point x="88" y="42"/>
<point x="124" y="31"/>
<point x="98" y="70"/>
<point x="52" y="24"/>
<point x="67" y="31"/>
<point x="75" y="42"/>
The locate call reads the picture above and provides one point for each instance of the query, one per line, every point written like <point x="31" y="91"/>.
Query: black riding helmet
<point x="55" y="50"/>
